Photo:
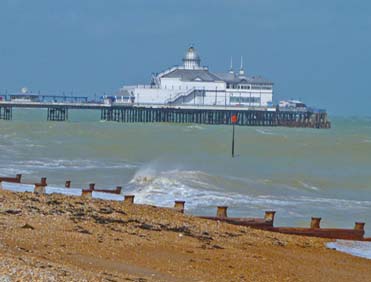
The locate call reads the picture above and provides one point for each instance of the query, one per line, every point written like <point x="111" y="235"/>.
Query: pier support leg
<point x="6" y="112"/>
<point x="57" y="114"/>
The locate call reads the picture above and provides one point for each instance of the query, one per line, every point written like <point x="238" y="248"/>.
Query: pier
<point x="187" y="114"/>
<point x="217" y="116"/>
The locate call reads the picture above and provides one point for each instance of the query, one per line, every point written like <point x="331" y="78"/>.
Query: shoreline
<point x="77" y="239"/>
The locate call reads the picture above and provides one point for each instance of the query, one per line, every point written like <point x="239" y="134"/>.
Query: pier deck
<point x="143" y="113"/>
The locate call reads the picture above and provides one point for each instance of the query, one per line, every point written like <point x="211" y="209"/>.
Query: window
<point x="261" y="87"/>
<point x="244" y="100"/>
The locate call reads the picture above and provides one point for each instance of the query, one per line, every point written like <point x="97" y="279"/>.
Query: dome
<point x="191" y="54"/>
<point x="191" y="59"/>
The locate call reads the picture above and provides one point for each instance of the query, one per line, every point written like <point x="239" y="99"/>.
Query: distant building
<point x="192" y="84"/>
<point x="24" y="96"/>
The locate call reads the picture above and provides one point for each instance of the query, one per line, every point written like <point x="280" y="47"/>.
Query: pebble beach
<point x="68" y="238"/>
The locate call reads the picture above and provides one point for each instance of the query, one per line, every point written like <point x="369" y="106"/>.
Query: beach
<point x="300" y="173"/>
<point x="68" y="238"/>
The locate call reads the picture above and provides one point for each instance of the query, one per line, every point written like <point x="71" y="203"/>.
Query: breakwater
<point x="265" y="223"/>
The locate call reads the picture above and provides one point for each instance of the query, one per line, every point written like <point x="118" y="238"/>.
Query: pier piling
<point x="57" y="113"/>
<point x="6" y="112"/>
<point x="242" y="117"/>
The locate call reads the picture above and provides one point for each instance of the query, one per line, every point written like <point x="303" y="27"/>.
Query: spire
<point x="231" y="67"/>
<point x="242" y="72"/>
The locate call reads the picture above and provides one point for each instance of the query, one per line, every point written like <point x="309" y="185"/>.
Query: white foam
<point x="72" y="164"/>
<point x="163" y="187"/>
<point x="17" y="187"/>
<point x="13" y="171"/>
<point x="200" y="191"/>
<point x="107" y="196"/>
<point x="264" y="132"/>
<point x="354" y="248"/>
<point x="308" y="186"/>
<point x="64" y="191"/>
<point x="195" y="127"/>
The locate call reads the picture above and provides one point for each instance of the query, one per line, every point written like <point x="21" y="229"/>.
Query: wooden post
<point x="269" y="216"/>
<point x="43" y="181"/>
<point x="87" y="193"/>
<point x="359" y="226"/>
<point x="18" y="177"/>
<point x="221" y="211"/>
<point x="315" y="223"/>
<point x="118" y="189"/>
<point x="179" y="205"/>
<point x="40" y="187"/>
<point x="129" y="199"/>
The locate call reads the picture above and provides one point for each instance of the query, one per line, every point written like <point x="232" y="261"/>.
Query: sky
<point x="317" y="51"/>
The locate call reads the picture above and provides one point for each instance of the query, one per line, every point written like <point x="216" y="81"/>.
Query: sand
<point x="67" y="238"/>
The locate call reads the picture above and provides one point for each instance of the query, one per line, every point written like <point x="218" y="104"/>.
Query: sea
<point x="300" y="173"/>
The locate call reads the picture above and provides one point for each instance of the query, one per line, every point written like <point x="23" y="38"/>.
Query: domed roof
<point x="191" y="59"/>
<point x="192" y="55"/>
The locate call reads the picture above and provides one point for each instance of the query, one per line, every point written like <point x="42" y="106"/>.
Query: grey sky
<point x="319" y="51"/>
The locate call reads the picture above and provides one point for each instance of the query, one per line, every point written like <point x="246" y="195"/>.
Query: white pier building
<point x="193" y="84"/>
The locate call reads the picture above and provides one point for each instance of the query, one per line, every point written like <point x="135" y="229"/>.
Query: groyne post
<point x="221" y="211"/>
<point x="118" y="189"/>
<point x="179" y="206"/>
<point x="359" y="226"/>
<point x="40" y="187"/>
<point x="129" y="199"/>
<point x="269" y="216"/>
<point x="18" y="178"/>
<point x="315" y="223"/>
<point x="88" y="193"/>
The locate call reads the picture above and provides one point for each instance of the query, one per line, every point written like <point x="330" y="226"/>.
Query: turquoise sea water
<point x="297" y="172"/>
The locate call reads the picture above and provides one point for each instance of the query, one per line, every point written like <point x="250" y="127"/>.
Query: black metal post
<point x="233" y="142"/>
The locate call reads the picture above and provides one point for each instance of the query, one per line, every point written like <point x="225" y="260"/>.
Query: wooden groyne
<point x="314" y="230"/>
<point x="212" y="115"/>
<point x="263" y="223"/>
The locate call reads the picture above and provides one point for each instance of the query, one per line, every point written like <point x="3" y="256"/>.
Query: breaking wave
<point x="354" y="248"/>
<point x="201" y="192"/>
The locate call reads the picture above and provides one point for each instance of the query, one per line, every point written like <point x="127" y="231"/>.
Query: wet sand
<point x="65" y="238"/>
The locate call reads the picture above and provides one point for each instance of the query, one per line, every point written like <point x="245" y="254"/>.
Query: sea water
<point x="297" y="172"/>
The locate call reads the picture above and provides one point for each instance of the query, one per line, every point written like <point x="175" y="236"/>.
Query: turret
<point x="191" y="60"/>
